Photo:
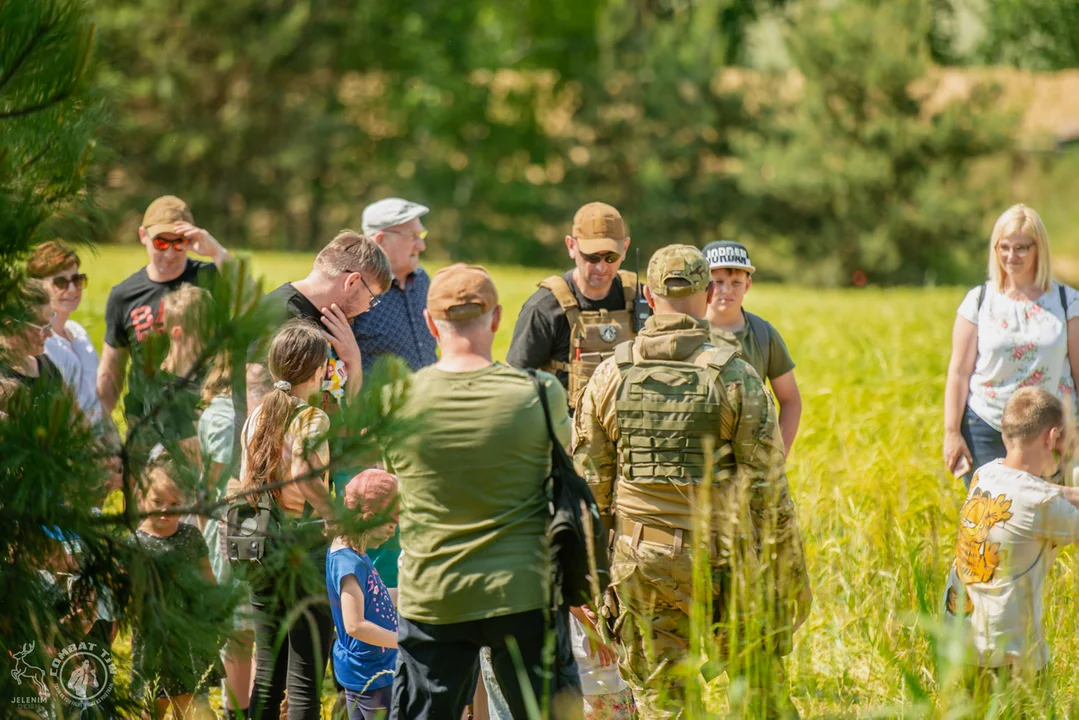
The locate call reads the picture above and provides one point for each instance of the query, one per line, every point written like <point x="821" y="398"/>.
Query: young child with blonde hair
<point x="1010" y="528"/>
<point x="162" y="534"/>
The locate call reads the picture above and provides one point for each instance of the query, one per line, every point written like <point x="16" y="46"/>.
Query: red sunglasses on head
<point x="179" y="244"/>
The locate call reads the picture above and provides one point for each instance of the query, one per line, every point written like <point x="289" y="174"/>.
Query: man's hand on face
<point x="339" y="332"/>
<point x="202" y="242"/>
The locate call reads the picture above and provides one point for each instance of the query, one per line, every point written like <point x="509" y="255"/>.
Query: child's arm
<point x="1071" y="494"/>
<point x="596" y="646"/>
<point x="789" y="399"/>
<point x="356" y="624"/>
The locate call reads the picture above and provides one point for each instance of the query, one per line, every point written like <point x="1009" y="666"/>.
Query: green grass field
<point x="878" y="511"/>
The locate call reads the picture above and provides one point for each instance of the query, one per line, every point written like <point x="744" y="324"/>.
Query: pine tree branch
<point x="42" y="30"/>
<point x="57" y="98"/>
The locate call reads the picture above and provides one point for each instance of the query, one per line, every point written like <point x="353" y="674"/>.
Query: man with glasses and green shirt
<point x="575" y="320"/>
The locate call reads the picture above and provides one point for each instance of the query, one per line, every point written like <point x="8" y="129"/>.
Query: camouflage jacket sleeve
<point x="595" y="434"/>
<point x="759" y="469"/>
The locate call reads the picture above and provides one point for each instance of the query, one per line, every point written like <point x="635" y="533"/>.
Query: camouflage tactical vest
<point x="593" y="335"/>
<point x="665" y="410"/>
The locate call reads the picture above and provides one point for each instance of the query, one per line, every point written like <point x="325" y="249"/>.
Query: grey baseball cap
<point x="389" y="213"/>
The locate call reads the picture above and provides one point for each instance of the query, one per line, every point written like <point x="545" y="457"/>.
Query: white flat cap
<point x="389" y="213"/>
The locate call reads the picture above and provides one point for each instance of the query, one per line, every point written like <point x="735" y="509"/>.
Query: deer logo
<point x="24" y="669"/>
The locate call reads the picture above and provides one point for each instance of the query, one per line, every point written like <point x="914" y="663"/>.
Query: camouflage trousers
<point x="654" y="589"/>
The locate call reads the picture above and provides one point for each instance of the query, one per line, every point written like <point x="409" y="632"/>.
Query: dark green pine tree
<point x="67" y="544"/>
<point x="860" y="175"/>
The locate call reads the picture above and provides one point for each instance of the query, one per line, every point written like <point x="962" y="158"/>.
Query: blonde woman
<point x="1018" y="330"/>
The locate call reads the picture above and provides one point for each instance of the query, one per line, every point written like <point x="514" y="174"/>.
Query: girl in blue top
<point x="365" y="651"/>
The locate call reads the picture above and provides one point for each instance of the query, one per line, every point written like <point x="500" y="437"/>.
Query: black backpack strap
<point x="542" y="392"/>
<point x="981" y="295"/>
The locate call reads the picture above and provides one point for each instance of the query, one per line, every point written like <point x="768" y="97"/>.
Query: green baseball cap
<point x="678" y="262"/>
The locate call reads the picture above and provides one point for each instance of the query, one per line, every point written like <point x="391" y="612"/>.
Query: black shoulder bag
<point x="569" y="532"/>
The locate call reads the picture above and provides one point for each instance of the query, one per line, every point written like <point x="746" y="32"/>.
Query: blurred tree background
<point x="278" y="120"/>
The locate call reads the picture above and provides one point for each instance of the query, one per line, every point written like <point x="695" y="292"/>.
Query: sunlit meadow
<point x="878" y="511"/>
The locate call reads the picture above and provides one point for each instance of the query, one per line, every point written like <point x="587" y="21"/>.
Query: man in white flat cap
<point x="396" y="326"/>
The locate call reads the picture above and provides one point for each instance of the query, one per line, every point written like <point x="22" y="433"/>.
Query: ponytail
<point x="297" y="352"/>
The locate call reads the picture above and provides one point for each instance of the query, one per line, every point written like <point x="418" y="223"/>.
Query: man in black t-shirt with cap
<point x="133" y="311"/>
<point x="575" y="320"/>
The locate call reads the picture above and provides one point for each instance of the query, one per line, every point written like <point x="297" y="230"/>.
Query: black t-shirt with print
<point x="542" y="331"/>
<point x="287" y="302"/>
<point x="133" y="313"/>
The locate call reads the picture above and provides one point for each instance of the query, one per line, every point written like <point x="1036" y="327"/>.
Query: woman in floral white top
<point x="1017" y="330"/>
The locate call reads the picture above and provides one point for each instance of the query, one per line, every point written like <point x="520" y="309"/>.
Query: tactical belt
<point x="637" y="532"/>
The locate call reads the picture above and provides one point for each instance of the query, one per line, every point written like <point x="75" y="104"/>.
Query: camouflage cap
<point x="680" y="263"/>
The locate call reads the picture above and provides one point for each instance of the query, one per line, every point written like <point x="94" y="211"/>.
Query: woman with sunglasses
<point x="69" y="347"/>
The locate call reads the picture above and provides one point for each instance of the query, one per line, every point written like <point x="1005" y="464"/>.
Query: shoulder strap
<point x="563" y="293"/>
<point x="981" y="294"/>
<point x="762" y="335"/>
<point x="629" y="287"/>
<point x="542" y="392"/>
<point x="623" y="354"/>
<point x="1064" y="306"/>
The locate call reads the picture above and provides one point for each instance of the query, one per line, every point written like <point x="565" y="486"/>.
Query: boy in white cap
<point x="761" y="343"/>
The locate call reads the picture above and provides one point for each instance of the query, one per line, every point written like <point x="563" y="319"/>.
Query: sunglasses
<point x="610" y="258"/>
<point x="61" y="283"/>
<point x="178" y="244"/>
<point x="45" y="330"/>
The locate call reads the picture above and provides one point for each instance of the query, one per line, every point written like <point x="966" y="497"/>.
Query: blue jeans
<point x="985" y="443"/>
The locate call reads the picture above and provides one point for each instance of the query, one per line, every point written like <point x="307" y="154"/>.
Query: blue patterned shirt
<point x="396" y="327"/>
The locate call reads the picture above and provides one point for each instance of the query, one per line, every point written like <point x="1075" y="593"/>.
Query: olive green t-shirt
<point x="767" y="355"/>
<point x="473" y="495"/>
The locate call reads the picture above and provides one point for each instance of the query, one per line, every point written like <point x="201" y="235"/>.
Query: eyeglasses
<point x="1019" y="250"/>
<point x="45" y="330"/>
<point x="421" y="235"/>
<point x="62" y="283"/>
<point x="375" y="299"/>
<point x="178" y="244"/>
<point x="610" y="258"/>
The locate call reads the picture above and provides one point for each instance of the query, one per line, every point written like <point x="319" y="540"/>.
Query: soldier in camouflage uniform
<point x="642" y="433"/>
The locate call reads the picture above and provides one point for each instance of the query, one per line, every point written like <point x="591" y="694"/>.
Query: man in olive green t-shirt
<point x="474" y="562"/>
<point x="762" y="346"/>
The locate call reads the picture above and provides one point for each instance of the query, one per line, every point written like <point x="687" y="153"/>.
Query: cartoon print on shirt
<point x="976" y="559"/>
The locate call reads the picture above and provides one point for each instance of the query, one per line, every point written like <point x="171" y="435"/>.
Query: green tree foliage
<point x="860" y="177"/>
<point x="1032" y="34"/>
<point x="48" y="114"/>
<point x="66" y="544"/>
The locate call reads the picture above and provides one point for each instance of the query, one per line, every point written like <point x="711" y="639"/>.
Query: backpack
<point x="575" y="543"/>
<point x="249" y="527"/>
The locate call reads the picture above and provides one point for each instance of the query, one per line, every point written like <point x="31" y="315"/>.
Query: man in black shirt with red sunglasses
<point x="133" y="311"/>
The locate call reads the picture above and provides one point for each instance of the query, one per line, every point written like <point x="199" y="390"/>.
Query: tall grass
<point x="878" y="511"/>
